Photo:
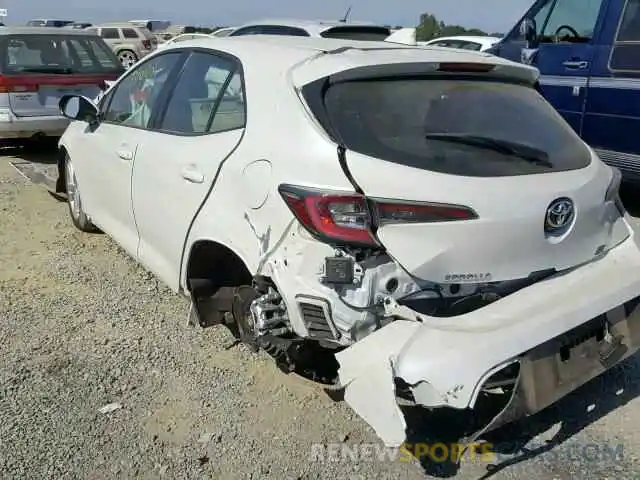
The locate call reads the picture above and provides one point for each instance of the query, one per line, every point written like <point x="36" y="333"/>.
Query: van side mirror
<point x="529" y="31"/>
<point x="77" y="107"/>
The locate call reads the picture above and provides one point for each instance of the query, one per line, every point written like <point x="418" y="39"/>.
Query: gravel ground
<point x="82" y="327"/>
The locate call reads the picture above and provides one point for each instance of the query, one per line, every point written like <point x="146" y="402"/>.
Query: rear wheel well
<point x="218" y="263"/>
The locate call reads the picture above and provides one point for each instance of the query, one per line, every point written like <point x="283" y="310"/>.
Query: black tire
<point x="74" y="202"/>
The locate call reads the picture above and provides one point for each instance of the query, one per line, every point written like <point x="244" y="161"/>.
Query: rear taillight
<point x="17" y="85"/>
<point x="32" y="83"/>
<point x="331" y="216"/>
<point x="351" y="219"/>
<point x="146" y="44"/>
<point x="409" y="212"/>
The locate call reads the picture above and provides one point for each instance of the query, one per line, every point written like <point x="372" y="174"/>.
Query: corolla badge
<point x="559" y="216"/>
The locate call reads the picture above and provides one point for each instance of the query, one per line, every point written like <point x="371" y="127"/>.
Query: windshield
<point x="365" y="33"/>
<point x="52" y="53"/>
<point x="460" y="127"/>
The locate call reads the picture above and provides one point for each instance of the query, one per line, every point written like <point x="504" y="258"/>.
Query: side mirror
<point x="529" y="31"/>
<point x="77" y="107"/>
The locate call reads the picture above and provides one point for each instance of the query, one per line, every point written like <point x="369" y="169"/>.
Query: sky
<point x="489" y="15"/>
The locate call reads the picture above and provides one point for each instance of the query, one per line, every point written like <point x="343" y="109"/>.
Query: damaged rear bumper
<point x="562" y="332"/>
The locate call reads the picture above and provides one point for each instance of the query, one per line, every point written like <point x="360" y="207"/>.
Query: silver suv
<point x="129" y="42"/>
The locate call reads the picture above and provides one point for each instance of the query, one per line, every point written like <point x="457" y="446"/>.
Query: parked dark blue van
<point x="588" y="54"/>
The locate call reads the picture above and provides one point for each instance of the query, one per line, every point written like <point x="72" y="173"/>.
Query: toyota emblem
<point x="559" y="216"/>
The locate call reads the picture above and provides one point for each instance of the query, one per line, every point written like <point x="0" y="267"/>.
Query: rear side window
<point x="357" y="33"/>
<point x="283" y="30"/>
<point x="625" y="55"/>
<point x="208" y="97"/>
<point x="129" y="33"/>
<point x="109" y="33"/>
<point x="470" y="46"/>
<point x="253" y="30"/>
<point x="271" y="30"/>
<point x="454" y="126"/>
<point x="58" y="54"/>
<point x="630" y="25"/>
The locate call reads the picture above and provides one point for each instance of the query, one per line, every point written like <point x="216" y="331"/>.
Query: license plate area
<point x="50" y="95"/>
<point x="564" y="363"/>
<point x="581" y="350"/>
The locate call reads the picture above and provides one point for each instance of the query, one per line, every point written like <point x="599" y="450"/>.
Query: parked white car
<point x="313" y="28"/>
<point x="223" y="32"/>
<point x="182" y="38"/>
<point x="393" y="221"/>
<point x="466" y="42"/>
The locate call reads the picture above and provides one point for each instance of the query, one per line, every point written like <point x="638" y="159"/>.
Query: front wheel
<point x="78" y="217"/>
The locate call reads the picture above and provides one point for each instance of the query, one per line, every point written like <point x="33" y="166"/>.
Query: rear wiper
<point x="62" y="70"/>
<point x="525" y="152"/>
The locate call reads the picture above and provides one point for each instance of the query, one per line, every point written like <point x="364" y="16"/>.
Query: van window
<point x="572" y="21"/>
<point x="630" y="25"/>
<point x="539" y="17"/>
<point x="457" y="127"/>
<point x="626" y="49"/>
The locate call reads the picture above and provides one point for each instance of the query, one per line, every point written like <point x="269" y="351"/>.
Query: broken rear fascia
<point x="446" y="361"/>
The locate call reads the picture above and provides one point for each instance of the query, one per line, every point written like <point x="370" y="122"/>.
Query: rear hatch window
<point x="38" y="69"/>
<point x="365" y="33"/>
<point x="468" y="127"/>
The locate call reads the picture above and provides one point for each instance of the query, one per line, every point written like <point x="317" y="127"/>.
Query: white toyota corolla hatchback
<point x="406" y="225"/>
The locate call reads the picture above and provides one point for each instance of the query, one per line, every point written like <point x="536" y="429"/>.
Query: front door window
<point x="134" y="99"/>
<point x="571" y="21"/>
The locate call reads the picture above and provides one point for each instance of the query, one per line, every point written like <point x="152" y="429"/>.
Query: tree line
<point x="430" y="27"/>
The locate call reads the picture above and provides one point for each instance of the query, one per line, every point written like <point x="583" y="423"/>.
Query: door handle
<point x="577" y="64"/>
<point x="125" y="154"/>
<point x="192" y="175"/>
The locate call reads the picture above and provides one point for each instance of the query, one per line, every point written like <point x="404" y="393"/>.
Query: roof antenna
<point x="346" y="15"/>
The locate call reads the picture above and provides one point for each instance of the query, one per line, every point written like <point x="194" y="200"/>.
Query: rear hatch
<point x="475" y="178"/>
<point x="150" y="41"/>
<point x="39" y="69"/>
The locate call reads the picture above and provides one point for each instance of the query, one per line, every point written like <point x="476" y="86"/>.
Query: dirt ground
<point x="83" y="327"/>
